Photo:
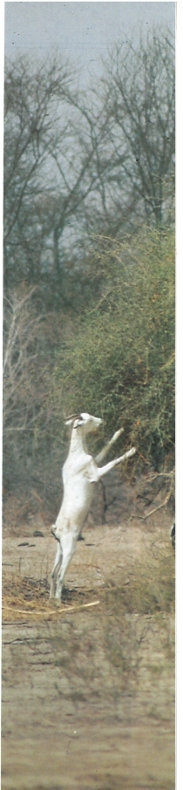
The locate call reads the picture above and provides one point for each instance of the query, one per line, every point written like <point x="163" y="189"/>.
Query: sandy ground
<point x="88" y="692"/>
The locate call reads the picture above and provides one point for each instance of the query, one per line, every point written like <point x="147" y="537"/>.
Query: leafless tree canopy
<point x="78" y="165"/>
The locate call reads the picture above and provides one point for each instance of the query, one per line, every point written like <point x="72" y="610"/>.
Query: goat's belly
<point x="77" y="502"/>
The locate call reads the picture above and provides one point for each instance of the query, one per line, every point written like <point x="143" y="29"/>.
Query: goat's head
<point x="87" y="422"/>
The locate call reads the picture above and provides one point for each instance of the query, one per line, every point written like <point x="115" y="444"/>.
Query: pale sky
<point x="80" y="31"/>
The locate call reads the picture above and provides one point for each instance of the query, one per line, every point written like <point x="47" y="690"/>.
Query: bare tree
<point x="29" y="424"/>
<point x="21" y="326"/>
<point x="47" y="176"/>
<point x="27" y="131"/>
<point x="25" y="387"/>
<point x="82" y="166"/>
<point x="135" y="135"/>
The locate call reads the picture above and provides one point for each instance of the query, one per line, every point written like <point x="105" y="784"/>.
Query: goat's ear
<point x="70" y="420"/>
<point x="78" y="422"/>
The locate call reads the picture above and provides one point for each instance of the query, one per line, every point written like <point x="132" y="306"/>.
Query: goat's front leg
<point x="104" y="451"/>
<point x="107" y="468"/>
<point x="68" y="543"/>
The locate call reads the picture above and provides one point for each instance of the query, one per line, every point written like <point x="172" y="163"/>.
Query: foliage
<point x="120" y="362"/>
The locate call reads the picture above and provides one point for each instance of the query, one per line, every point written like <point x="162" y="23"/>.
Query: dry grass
<point x="149" y="588"/>
<point x="106" y="634"/>
<point x="126" y="621"/>
<point x="26" y="596"/>
<point x="110" y="665"/>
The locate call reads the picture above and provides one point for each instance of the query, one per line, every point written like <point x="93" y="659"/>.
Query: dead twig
<point x="165" y="501"/>
<point x="53" y="611"/>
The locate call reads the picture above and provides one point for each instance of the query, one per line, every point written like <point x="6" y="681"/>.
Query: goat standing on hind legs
<point x="80" y="472"/>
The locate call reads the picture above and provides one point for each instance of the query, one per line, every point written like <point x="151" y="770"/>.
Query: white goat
<point x="80" y="472"/>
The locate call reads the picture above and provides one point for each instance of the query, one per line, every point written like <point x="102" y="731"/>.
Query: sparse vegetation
<point x="99" y="654"/>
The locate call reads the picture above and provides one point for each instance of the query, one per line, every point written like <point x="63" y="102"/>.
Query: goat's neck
<point x="77" y="443"/>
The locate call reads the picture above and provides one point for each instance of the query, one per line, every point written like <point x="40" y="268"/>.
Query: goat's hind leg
<point x="55" y="570"/>
<point x="69" y="543"/>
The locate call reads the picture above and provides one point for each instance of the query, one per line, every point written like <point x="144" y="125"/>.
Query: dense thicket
<point x="89" y="255"/>
<point x="120" y="362"/>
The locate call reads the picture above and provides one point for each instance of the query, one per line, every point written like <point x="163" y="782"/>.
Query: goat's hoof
<point x="132" y="451"/>
<point x="52" y="597"/>
<point x="54" y="601"/>
<point x="118" y="434"/>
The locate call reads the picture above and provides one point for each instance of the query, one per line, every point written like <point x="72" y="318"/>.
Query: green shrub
<point x="119" y="364"/>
